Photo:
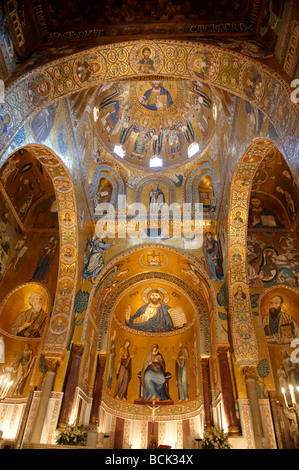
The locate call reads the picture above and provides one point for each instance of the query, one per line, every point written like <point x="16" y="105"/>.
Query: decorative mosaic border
<point x="119" y="259"/>
<point x="56" y="342"/>
<point x="228" y="70"/>
<point x="112" y="299"/>
<point x="245" y="345"/>
<point x="164" y="413"/>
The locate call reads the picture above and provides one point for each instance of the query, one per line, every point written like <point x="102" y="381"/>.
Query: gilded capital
<point x="52" y="364"/>
<point x="205" y="361"/>
<point x="222" y="351"/>
<point x="249" y="372"/>
<point x="77" y="349"/>
<point x="102" y="360"/>
<point x="272" y="394"/>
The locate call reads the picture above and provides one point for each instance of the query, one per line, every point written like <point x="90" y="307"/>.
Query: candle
<point x="283" y="392"/>
<point x="292" y="393"/>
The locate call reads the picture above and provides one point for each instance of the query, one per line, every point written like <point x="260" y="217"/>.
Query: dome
<point x="157" y="124"/>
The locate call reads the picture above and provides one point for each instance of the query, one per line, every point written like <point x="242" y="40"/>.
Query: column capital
<point x="102" y="359"/>
<point x="77" y="349"/>
<point x="205" y="361"/>
<point x="222" y="350"/>
<point x="272" y="394"/>
<point x="52" y="363"/>
<point x="249" y="372"/>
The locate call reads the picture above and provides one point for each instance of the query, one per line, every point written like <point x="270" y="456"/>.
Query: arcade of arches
<point x="149" y="327"/>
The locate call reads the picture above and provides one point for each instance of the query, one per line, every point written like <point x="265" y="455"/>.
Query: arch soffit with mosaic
<point x="112" y="301"/>
<point x="55" y="344"/>
<point x="212" y="64"/>
<point x="245" y="346"/>
<point x="105" y="320"/>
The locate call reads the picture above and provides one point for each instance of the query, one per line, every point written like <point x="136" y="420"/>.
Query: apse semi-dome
<point x="168" y="120"/>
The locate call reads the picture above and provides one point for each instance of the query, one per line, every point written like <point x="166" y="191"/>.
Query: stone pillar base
<point x="92" y="436"/>
<point x="234" y="431"/>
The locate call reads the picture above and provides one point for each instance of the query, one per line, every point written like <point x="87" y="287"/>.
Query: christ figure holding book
<point x="155" y="316"/>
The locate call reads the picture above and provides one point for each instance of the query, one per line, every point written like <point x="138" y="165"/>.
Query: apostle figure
<point x="124" y="372"/>
<point x="279" y="326"/>
<point x="146" y="64"/>
<point x="23" y="364"/>
<point x="45" y="259"/>
<point x="213" y="257"/>
<point x="111" y="360"/>
<point x="182" y="372"/>
<point x="31" y="322"/>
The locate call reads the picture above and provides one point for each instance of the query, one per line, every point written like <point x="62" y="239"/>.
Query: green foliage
<point x="81" y="301"/>
<point x="42" y="364"/>
<point x="253" y="299"/>
<point x="223" y="296"/>
<point x="263" y="368"/>
<point x="72" y="435"/>
<point x="222" y="315"/>
<point x="214" y="438"/>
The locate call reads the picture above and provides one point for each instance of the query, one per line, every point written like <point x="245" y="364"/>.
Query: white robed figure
<point x="157" y="199"/>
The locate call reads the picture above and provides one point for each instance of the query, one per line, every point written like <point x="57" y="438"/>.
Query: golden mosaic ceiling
<point x="153" y="125"/>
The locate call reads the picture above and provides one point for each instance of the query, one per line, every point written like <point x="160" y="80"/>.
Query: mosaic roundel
<point x="89" y="68"/>
<point x="147" y="60"/>
<point x="252" y="82"/>
<point x="142" y="120"/>
<point x="204" y="64"/>
<point x="39" y="90"/>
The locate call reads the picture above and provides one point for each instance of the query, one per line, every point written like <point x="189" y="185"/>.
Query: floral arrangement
<point x="214" y="438"/>
<point x="72" y="435"/>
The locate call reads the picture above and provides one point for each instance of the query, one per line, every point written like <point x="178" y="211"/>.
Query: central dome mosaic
<point x="155" y="124"/>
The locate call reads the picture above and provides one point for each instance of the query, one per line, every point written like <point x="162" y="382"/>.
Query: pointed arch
<point x="101" y="310"/>
<point x="56" y="342"/>
<point x="245" y="346"/>
<point x="226" y="69"/>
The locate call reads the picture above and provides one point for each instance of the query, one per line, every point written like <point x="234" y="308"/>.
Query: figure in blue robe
<point x="95" y="260"/>
<point x="153" y="316"/>
<point x="153" y="376"/>
<point x="157" y="97"/>
<point x="160" y="322"/>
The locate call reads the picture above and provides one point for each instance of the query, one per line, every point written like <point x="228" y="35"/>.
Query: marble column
<point x="25" y="415"/>
<point x="206" y="391"/>
<point x="276" y="420"/>
<point x="71" y="384"/>
<point x="227" y="391"/>
<point x="41" y="411"/>
<point x="256" y="418"/>
<point x="98" y="385"/>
